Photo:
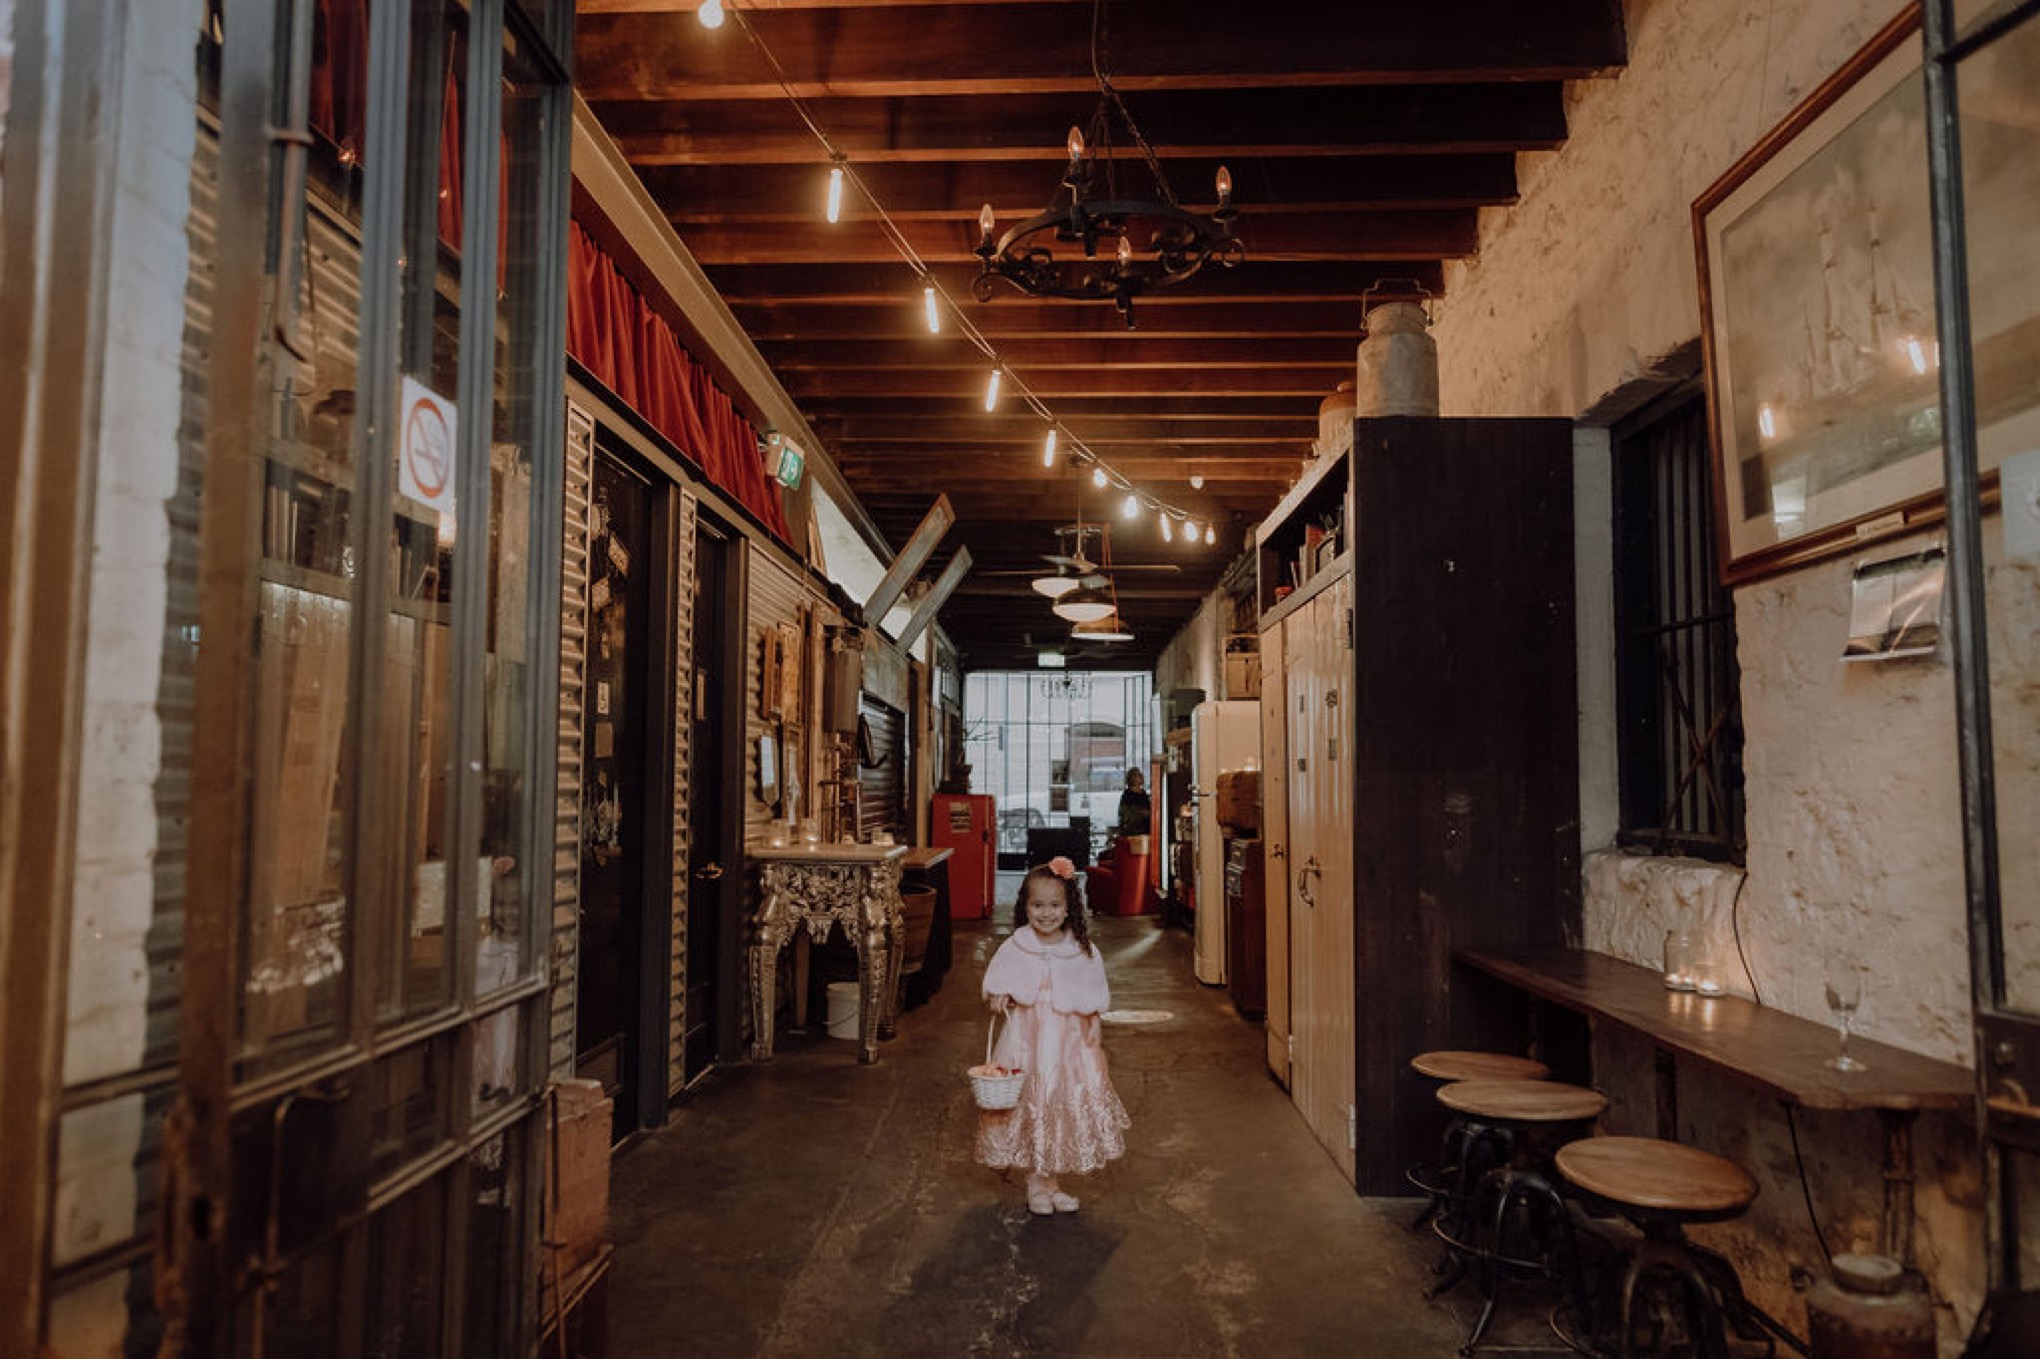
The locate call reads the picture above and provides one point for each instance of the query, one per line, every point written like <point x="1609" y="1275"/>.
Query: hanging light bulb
<point x="835" y="211"/>
<point x="934" y="311"/>
<point x="1197" y="481"/>
<point x="1168" y="528"/>
<point x="1098" y="478"/>
<point x="710" y="14"/>
<point x="1048" y="448"/>
<point x="992" y="391"/>
<point x="1189" y="530"/>
<point x="1210" y="534"/>
<point x="1131" y="507"/>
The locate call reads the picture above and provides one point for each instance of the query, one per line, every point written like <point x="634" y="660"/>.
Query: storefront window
<point x="1053" y="749"/>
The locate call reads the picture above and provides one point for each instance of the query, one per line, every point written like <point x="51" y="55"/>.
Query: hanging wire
<point x="1078" y="451"/>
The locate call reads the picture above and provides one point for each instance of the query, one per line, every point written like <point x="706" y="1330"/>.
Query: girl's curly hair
<point x="1077" y="923"/>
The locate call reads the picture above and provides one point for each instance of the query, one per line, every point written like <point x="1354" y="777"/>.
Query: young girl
<point x="1049" y="983"/>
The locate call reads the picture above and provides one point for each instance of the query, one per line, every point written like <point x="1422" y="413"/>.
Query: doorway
<point x="714" y="939"/>
<point x="618" y="717"/>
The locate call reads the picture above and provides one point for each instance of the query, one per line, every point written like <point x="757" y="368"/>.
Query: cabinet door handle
<point x="1303" y="876"/>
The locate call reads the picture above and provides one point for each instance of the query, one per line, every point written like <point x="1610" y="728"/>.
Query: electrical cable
<point x="1079" y="451"/>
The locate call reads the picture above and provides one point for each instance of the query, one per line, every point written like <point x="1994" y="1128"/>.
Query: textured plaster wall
<point x="1580" y="299"/>
<point x="1195" y="656"/>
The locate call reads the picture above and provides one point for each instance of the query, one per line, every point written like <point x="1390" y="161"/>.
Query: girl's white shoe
<point x="1062" y="1203"/>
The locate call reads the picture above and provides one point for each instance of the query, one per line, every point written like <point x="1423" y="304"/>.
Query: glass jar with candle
<point x="1681" y="953"/>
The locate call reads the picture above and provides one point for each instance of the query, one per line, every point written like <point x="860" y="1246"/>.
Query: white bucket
<point x="843" y="1010"/>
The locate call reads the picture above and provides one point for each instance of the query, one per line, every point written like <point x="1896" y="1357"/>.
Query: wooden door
<point x="1275" y="842"/>
<point x="1320" y="871"/>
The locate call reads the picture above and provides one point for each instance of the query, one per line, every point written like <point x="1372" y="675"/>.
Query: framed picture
<point x="1817" y="306"/>
<point x="1817" y="316"/>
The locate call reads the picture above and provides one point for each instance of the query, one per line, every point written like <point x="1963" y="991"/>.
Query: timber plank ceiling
<point x="1363" y="139"/>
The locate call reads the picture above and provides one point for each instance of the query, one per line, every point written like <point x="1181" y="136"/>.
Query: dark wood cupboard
<point x="1427" y="714"/>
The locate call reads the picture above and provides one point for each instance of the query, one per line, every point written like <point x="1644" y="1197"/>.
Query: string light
<point x="1168" y="531"/>
<point x="1210" y="534"/>
<point x="1197" y="481"/>
<point x="935" y="300"/>
<point x="1131" y="507"/>
<point x="1189" y="531"/>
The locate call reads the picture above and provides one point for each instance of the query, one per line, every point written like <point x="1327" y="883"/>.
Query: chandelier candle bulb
<point x="934" y="311"/>
<point x="1125" y="252"/>
<point x="1048" y="449"/>
<point x="1224" y="183"/>
<point x="1075" y="143"/>
<point x="986" y="221"/>
<point x="835" y="210"/>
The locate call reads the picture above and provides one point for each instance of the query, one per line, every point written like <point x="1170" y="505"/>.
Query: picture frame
<point x="1814" y="263"/>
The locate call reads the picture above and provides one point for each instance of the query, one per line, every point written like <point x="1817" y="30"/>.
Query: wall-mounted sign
<point x="427" y="428"/>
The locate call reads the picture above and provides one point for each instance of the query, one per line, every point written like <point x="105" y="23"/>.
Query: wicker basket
<point x="994" y="1091"/>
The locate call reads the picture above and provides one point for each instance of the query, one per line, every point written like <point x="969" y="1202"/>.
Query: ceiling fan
<point x="1073" y="569"/>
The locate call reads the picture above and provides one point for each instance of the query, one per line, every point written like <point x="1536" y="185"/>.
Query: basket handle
<point x="992" y="1035"/>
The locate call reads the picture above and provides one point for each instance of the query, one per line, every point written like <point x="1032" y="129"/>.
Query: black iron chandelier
<point x="1149" y="242"/>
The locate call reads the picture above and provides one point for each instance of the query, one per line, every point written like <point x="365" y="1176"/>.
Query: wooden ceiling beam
<point x="892" y="282"/>
<point x="1346" y="236"/>
<point x="903" y="319"/>
<point x="955" y="191"/>
<point x="1024" y="133"/>
<point x="856" y="417"/>
<point x="1009" y="49"/>
<point x="1189" y="442"/>
<point x="1312" y="382"/>
<point x="1130" y="350"/>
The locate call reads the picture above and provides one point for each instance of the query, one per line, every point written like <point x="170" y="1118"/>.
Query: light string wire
<point x="1079" y="453"/>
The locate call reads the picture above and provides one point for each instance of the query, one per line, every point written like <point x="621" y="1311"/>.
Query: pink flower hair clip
<point x="1062" y="867"/>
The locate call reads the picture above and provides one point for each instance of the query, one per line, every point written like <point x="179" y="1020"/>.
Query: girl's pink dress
<point x="1069" y="1119"/>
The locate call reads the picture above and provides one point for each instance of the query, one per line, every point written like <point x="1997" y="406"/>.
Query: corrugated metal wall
<point x="775" y="595"/>
<point x="580" y="469"/>
<point x="882" y="784"/>
<point x="683" y="729"/>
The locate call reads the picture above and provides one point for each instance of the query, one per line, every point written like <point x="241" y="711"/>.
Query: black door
<point x="616" y="717"/>
<point x="713" y="939"/>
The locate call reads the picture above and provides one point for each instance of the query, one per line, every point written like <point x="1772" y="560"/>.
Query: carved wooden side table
<point x="821" y="886"/>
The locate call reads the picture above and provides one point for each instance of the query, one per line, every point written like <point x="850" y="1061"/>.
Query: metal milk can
<point x="1869" y="1309"/>
<point x="1396" y="371"/>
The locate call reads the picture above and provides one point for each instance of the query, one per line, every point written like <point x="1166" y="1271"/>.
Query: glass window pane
<point x="409" y="1111"/>
<point x="114" y="1315"/>
<point x="528" y="109"/>
<point x="497" y="1206"/>
<point x="109" y="1174"/>
<point x="407" y="1275"/>
<point x="500" y="1073"/>
<point x="416" y="740"/>
<point x="297" y="938"/>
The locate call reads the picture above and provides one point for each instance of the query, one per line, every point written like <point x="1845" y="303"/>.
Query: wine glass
<point x="1844" y="994"/>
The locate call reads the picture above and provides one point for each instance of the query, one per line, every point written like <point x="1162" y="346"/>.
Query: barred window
<point x="1678" y="684"/>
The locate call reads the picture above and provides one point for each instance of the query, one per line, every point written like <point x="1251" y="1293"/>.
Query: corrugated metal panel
<point x="683" y="728"/>
<point x="776" y="596"/>
<point x="580" y="456"/>
<point x="882" y="785"/>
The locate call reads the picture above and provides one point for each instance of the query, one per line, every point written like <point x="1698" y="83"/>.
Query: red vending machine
<point x="966" y="823"/>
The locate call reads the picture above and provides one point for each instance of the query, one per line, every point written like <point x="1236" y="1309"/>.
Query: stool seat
<point x="1477" y="1066"/>
<point x="1523" y="1101"/>
<point x="1659" y="1176"/>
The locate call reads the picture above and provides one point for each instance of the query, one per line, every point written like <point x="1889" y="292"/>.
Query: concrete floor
<point x="815" y="1207"/>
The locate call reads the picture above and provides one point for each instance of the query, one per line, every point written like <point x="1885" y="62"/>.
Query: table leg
<point x="764" y="978"/>
<point x="873" y="954"/>
<point x="1895" y="1231"/>
<point x="1667" y="1071"/>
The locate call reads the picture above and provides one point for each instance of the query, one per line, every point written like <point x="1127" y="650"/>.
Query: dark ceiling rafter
<point x="1363" y="142"/>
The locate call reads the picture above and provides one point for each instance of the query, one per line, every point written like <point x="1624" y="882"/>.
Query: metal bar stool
<point x="1468" y="1150"/>
<point x="1669" y="1290"/>
<point x="1442" y="1184"/>
<point x="1515" y="1221"/>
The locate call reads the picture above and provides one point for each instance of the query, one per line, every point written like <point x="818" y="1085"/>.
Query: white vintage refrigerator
<point x="1224" y="735"/>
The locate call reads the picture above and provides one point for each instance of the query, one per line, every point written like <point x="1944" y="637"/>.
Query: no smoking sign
<point x="425" y="454"/>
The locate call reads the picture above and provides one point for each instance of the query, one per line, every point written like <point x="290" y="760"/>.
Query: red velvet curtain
<point x="631" y="350"/>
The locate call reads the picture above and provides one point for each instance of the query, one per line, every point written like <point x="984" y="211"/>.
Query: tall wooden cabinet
<point x="1426" y="718"/>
